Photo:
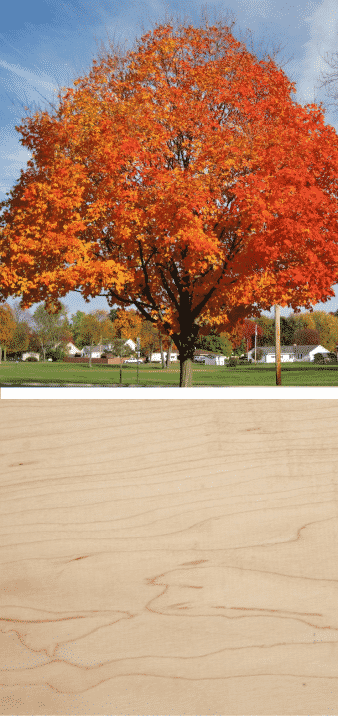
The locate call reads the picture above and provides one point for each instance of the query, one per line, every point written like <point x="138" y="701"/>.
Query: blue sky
<point x="47" y="44"/>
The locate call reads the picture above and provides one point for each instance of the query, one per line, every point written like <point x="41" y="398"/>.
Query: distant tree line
<point x="49" y="334"/>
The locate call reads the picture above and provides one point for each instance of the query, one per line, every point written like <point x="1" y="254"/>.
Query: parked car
<point x="134" y="360"/>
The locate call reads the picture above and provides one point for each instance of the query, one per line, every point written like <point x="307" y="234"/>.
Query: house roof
<point x="200" y="352"/>
<point x="72" y="345"/>
<point x="69" y="344"/>
<point x="290" y="349"/>
<point x="103" y="347"/>
<point x="209" y="354"/>
<point x="100" y="349"/>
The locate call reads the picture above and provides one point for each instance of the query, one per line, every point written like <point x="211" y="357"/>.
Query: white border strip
<point x="238" y="393"/>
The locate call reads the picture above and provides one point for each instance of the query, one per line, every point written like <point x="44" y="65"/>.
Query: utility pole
<point x="278" y="355"/>
<point x="138" y="356"/>
<point x="121" y="361"/>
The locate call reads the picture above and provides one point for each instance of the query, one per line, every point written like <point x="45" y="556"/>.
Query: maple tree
<point x="149" y="339"/>
<point x="7" y="327"/>
<point x="244" y="331"/>
<point x="89" y="332"/>
<point x="75" y="328"/>
<point x="20" y="339"/>
<point x="181" y="178"/>
<point x="215" y="342"/>
<point x="51" y="329"/>
<point x="327" y="327"/>
<point x="286" y="331"/>
<point x="306" y="336"/>
<point x="127" y="324"/>
<point x="106" y="326"/>
<point x="19" y="335"/>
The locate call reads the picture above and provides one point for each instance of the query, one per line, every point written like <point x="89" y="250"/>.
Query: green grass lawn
<point x="59" y="374"/>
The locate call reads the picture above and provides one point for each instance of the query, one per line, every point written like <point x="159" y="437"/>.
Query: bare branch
<point x="329" y="80"/>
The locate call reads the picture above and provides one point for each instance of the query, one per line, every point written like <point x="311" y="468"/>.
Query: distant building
<point x="215" y="359"/>
<point x="98" y="351"/>
<point x="156" y="357"/>
<point x="200" y="355"/>
<point x="209" y="358"/>
<point x="30" y="354"/>
<point x="289" y="354"/>
<point x="71" y="349"/>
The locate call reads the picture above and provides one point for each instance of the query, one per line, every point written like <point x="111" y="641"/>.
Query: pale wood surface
<point x="169" y="557"/>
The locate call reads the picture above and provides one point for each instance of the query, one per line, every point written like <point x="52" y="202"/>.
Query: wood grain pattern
<point x="169" y="557"/>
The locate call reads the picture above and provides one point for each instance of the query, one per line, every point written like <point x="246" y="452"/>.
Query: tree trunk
<point x="169" y="353"/>
<point x="186" y="373"/>
<point x="90" y="356"/>
<point x="0" y="353"/>
<point x="44" y="355"/>
<point x="186" y="348"/>
<point x="185" y="341"/>
<point x="5" y="353"/>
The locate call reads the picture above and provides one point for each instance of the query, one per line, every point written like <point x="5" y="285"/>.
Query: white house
<point x="200" y="355"/>
<point x="215" y="360"/>
<point x="110" y="346"/>
<point x="156" y="357"/>
<point x="131" y="344"/>
<point x="289" y="354"/>
<point x="97" y="351"/>
<point x="30" y="354"/>
<point x="302" y="354"/>
<point x="72" y="349"/>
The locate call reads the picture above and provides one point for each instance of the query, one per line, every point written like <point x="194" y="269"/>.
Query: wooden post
<point x="278" y="356"/>
<point x="120" y="361"/>
<point x="138" y="357"/>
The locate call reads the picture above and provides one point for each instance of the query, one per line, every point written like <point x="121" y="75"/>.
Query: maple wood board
<point x="169" y="557"/>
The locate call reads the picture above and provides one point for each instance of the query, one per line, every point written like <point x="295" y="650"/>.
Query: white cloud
<point x="27" y="75"/>
<point x="323" y="32"/>
<point x="13" y="158"/>
<point x="256" y="8"/>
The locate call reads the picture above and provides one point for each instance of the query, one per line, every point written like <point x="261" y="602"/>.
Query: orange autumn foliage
<point x="244" y="331"/>
<point x="7" y="327"/>
<point x="181" y="178"/>
<point x="128" y="325"/>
